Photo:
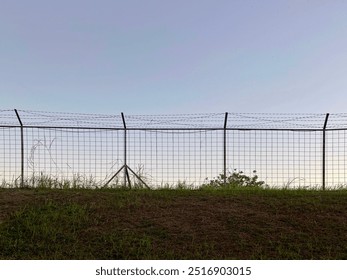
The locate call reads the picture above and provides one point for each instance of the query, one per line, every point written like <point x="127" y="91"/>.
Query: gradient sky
<point x="181" y="56"/>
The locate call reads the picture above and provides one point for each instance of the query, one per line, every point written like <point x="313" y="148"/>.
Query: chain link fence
<point x="95" y="150"/>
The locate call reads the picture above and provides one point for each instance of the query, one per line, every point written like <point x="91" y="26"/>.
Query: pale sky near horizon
<point x="157" y="56"/>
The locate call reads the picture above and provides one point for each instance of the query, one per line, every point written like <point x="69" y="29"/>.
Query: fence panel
<point x="175" y="157"/>
<point x="280" y="158"/>
<point x="10" y="159"/>
<point x="336" y="156"/>
<point x="73" y="157"/>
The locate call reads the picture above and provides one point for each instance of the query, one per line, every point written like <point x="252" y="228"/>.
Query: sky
<point x="168" y="57"/>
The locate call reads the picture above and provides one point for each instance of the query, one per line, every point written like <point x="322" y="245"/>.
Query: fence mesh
<point x="67" y="149"/>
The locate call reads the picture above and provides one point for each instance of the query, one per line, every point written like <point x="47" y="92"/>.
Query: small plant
<point x="139" y="177"/>
<point x="236" y="179"/>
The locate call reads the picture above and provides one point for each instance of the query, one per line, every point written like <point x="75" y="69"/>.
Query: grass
<point x="209" y="223"/>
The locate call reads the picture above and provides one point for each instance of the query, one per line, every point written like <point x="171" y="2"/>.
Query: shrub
<point x="235" y="179"/>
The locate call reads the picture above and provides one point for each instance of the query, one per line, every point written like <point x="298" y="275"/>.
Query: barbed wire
<point x="175" y="121"/>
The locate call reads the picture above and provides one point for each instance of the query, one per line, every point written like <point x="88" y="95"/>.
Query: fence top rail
<point x="208" y="121"/>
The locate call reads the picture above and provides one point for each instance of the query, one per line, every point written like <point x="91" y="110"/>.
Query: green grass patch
<point x="43" y="231"/>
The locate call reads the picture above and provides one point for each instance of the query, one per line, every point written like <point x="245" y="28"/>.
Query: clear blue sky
<point x="181" y="56"/>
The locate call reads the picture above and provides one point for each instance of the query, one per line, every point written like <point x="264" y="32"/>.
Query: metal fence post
<point x="323" y="167"/>
<point x="126" y="173"/>
<point x="225" y="148"/>
<point x="22" y="148"/>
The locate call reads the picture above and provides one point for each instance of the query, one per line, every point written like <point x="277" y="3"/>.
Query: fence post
<point x="225" y="148"/>
<point x="324" y="131"/>
<point x="22" y="148"/>
<point x="126" y="174"/>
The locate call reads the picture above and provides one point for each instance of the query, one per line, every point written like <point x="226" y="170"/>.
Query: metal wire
<point x="90" y="150"/>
